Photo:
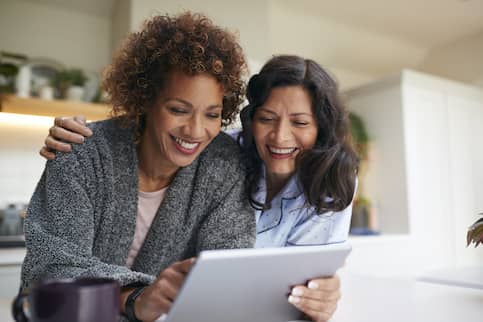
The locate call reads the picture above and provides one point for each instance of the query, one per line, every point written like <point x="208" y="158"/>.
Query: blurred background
<point x="411" y="72"/>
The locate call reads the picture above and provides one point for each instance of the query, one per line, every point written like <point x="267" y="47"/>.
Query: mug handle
<point x="18" y="311"/>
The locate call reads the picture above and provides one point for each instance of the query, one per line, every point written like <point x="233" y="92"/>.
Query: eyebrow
<point x="264" y="109"/>
<point x="210" y="107"/>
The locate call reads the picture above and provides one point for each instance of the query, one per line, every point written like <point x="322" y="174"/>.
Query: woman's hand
<point x="157" y="298"/>
<point x="318" y="300"/>
<point x="65" y="130"/>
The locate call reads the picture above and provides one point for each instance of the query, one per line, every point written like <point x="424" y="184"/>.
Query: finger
<point x="72" y="124"/>
<point x="324" y="283"/>
<point x="175" y="277"/>
<point x="81" y="119"/>
<point x="185" y="265"/>
<point x="168" y="289"/>
<point x="64" y="135"/>
<point x="56" y="145"/>
<point x="316" y="309"/>
<point x="46" y="153"/>
<point x="317" y="316"/>
<point x="318" y="295"/>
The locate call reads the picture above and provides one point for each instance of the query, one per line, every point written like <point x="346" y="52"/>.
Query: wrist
<point x="129" y="303"/>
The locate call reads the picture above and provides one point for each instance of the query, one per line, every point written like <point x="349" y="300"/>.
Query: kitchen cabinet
<point x="425" y="168"/>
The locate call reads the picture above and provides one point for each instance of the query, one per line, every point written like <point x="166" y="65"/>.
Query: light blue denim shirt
<point x="291" y="222"/>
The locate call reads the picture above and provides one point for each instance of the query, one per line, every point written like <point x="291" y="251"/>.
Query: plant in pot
<point x="70" y="84"/>
<point x="363" y="216"/>
<point x="10" y="64"/>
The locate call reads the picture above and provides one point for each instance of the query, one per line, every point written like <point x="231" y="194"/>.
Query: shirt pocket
<point x="313" y="230"/>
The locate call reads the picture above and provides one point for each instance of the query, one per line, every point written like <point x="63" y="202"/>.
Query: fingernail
<point x="297" y="292"/>
<point x="313" y="285"/>
<point x="293" y="299"/>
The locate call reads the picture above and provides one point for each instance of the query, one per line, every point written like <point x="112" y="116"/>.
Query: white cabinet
<point x="426" y="163"/>
<point x="9" y="281"/>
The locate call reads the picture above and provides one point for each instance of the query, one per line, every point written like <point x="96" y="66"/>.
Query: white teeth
<point x="281" y="151"/>
<point x="186" y="145"/>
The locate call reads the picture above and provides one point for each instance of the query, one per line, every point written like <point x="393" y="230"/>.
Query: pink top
<point x="148" y="205"/>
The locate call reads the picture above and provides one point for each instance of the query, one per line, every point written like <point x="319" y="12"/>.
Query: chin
<point x="282" y="171"/>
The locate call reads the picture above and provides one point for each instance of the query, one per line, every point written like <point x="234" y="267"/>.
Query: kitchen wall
<point x="73" y="38"/>
<point x="121" y="22"/>
<point x="343" y="49"/>
<point x="248" y="17"/>
<point x="20" y="165"/>
<point x="461" y="60"/>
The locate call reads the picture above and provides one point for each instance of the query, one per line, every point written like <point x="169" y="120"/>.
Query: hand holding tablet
<point x="252" y="284"/>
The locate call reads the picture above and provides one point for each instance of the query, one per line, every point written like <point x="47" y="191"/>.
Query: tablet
<point x="252" y="285"/>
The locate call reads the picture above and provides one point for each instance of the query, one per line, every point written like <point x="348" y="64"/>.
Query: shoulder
<point x="222" y="158"/>
<point x="223" y="149"/>
<point x="112" y="130"/>
<point x="110" y="139"/>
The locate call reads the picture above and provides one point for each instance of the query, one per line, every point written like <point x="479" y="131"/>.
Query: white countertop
<point x="376" y="299"/>
<point x="12" y="256"/>
<point x="405" y="299"/>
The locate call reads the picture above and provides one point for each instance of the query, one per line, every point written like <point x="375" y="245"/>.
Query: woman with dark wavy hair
<point x="300" y="162"/>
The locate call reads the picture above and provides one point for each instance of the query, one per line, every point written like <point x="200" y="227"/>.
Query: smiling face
<point x="184" y="120"/>
<point x="283" y="127"/>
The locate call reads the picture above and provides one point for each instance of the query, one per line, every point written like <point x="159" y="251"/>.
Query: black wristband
<point x="129" y="306"/>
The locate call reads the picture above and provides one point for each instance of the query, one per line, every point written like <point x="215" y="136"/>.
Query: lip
<point x="183" y="149"/>
<point x="279" y="156"/>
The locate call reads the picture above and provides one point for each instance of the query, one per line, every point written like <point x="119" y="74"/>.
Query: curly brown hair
<point x="187" y="42"/>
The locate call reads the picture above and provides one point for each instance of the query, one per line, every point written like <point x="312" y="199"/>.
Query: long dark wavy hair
<point x="328" y="171"/>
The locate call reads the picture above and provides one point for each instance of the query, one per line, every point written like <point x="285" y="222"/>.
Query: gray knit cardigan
<point x="82" y="215"/>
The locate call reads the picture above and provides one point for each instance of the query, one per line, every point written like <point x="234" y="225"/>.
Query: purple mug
<point x="73" y="300"/>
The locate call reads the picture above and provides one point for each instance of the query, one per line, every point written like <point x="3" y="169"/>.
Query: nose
<point x="282" y="131"/>
<point x="194" y="128"/>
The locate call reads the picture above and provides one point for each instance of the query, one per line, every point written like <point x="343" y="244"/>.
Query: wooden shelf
<point x="36" y="106"/>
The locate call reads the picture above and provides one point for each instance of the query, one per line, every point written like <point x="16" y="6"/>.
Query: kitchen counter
<point x="12" y="256"/>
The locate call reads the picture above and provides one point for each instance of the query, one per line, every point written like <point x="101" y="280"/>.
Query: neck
<point x="154" y="172"/>
<point x="275" y="182"/>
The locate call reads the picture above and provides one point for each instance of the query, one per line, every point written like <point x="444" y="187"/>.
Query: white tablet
<point x="252" y="285"/>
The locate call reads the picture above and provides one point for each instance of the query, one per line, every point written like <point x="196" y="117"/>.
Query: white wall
<point x="355" y="55"/>
<point x="72" y="38"/>
<point x="120" y="22"/>
<point x="20" y="164"/>
<point x="425" y="172"/>
<point x="248" y="17"/>
<point x="461" y="60"/>
<point x="381" y="108"/>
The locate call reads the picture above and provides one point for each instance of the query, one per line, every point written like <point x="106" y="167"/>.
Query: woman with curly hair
<point x="301" y="167"/>
<point x="157" y="183"/>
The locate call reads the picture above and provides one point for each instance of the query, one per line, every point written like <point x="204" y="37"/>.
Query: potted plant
<point x="10" y="64"/>
<point x="475" y="233"/>
<point x="70" y="84"/>
<point x="363" y="216"/>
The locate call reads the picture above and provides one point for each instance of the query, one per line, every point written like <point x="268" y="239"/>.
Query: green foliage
<point x="9" y="66"/>
<point x="70" y="77"/>
<point x="359" y="134"/>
